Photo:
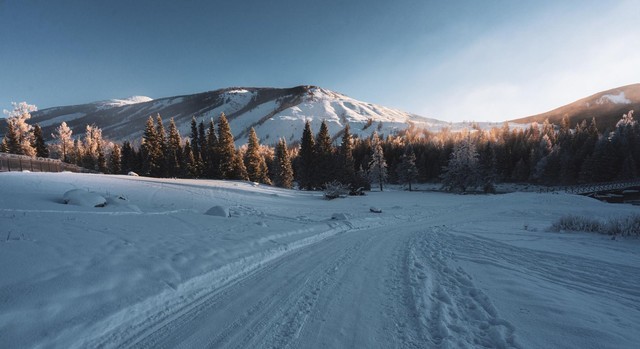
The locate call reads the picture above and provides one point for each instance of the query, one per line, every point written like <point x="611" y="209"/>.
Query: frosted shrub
<point x="335" y="190"/>
<point x="624" y="226"/>
<point x="577" y="223"/>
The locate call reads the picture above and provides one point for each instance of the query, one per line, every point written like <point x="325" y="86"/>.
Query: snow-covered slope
<point x="274" y="113"/>
<point x="152" y="269"/>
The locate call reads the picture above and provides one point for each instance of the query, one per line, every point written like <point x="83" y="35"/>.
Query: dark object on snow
<point x="375" y="210"/>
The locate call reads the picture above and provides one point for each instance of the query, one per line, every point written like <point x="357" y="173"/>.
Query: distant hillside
<point x="273" y="112"/>
<point x="607" y="107"/>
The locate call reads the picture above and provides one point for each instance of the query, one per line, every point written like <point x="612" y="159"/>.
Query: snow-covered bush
<point x="625" y="226"/>
<point x="628" y="226"/>
<point x="577" y="223"/>
<point x="335" y="190"/>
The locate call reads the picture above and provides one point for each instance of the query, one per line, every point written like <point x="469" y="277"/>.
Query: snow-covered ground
<point x="151" y="269"/>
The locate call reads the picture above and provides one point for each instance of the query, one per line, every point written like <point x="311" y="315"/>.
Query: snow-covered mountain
<point x="273" y="112"/>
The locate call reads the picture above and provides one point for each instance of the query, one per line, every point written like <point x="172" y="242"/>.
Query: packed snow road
<point x="152" y="270"/>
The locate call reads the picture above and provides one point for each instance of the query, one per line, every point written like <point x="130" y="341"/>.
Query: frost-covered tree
<point x="19" y="135"/>
<point x="64" y="141"/>
<point x="38" y="143"/>
<point x="461" y="173"/>
<point x="407" y="170"/>
<point x="93" y="150"/>
<point x="378" y="164"/>
<point x="283" y="169"/>
<point x="238" y="170"/>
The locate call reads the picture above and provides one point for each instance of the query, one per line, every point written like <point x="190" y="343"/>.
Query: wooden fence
<point x="12" y="162"/>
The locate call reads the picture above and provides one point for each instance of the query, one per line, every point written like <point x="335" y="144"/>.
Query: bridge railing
<point x="601" y="187"/>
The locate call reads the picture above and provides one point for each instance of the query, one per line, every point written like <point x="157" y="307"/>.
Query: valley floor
<point x="433" y="270"/>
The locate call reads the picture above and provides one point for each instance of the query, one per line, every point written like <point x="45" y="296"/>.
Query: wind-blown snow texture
<point x="152" y="270"/>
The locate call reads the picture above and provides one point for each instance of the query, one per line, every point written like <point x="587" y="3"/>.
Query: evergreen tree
<point x="174" y="151"/>
<point x="201" y="146"/>
<point x="194" y="136"/>
<point x="192" y="165"/>
<point x="92" y="149"/>
<point x="115" y="160"/>
<point x="38" y="143"/>
<point x="151" y="150"/>
<point x="324" y="171"/>
<point x="229" y="167"/>
<point x="4" y="146"/>
<point x="461" y="173"/>
<point x="12" y="140"/>
<point x="65" y="141"/>
<point x="378" y="164"/>
<point x="254" y="161"/>
<point x="238" y="170"/>
<point x="346" y="161"/>
<point x="487" y="168"/>
<point x="128" y="158"/>
<point x="283" y="169"/>
<point x="306" y="156"/>
<point x="161" y="136"/>
<point x="213" y="161"/>
<point x="407" y="170"/>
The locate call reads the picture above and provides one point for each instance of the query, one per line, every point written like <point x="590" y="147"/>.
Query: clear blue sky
<point x="452" y="60"/>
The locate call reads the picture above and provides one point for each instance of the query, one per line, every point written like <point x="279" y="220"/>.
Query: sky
<point x="491" y="60"/>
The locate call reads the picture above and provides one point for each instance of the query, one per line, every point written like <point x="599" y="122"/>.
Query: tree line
<point x="469" y="160"/>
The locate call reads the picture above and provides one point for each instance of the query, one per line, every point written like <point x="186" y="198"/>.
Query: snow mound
<point x="131" y="173"/>
<point x="81" y="197"/>
<point x="218" y="211"/>
<point x="340" y="216"/>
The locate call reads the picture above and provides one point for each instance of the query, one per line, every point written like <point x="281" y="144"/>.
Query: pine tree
<point x="11" y="140"/>
<point x="151" y="151"/>
<point x="4" y="146"/>
<point x="228" y="168"/>
<point x="324" y="172"/>
<point x="306" y="166"/>
<point x="174" y="150"/>
<point x="346" y="160"/>
<point x="407" y="170"/>
<point x="378" y="164"/>
<point x="65" y="142"/>
<point x="38" y="143"/>
<point x="487" y="168"/>
<point x="283" y="169"/>
<point x="254" y="161"/>
<point x="194" y="135"/>
<point x="461" y="173"/>
<point x="192" y="168"/>
<point x="213" y="161"/>
<point x="161" y="136"/>
<point x="115" y="160"/>
<point x="128" y="158"/>
<point x="201" y="145"/>
<point x="238" y="170"/>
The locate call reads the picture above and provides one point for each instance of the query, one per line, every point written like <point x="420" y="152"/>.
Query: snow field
<point x="152" y="270"/>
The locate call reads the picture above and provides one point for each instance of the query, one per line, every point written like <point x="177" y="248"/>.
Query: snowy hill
<point x="606" y="106"/>
<point x="273" y="112"/>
